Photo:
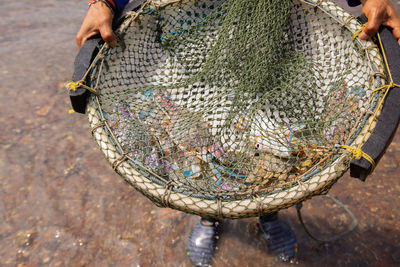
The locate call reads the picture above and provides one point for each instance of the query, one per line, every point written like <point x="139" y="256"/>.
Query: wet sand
<point x="62" y="205"/>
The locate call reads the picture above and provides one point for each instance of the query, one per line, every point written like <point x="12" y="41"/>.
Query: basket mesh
<point x="234" y="108"/>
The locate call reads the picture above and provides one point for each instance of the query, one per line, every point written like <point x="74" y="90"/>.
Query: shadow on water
<point x="62" y="205"/>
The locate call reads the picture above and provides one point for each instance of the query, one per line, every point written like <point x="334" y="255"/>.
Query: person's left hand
<point x="380" y="12"/>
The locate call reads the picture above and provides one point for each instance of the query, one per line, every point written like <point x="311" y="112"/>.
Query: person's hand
<point x="98" y="20"/>
<point x="380" y="12"/>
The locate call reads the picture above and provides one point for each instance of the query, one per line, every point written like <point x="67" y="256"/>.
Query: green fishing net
<point x="234" y="108"/>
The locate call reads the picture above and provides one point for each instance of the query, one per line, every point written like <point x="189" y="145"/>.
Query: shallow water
<point x="62" y="205"/>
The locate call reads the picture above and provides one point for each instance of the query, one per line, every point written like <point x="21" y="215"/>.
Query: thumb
<point x="372" y="27"/>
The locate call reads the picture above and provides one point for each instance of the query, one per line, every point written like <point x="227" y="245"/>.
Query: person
<point x="280" y="238"/>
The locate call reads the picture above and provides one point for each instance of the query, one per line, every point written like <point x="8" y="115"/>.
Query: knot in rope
<point x="387" y="86"/>
<point x="73" y="86"/>
<point x="357" y="153"/>
<point x="392" y="84"/>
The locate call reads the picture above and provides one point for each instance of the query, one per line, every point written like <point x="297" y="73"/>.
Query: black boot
<point x="202" y="241"/>
<point x="280" y="238"/>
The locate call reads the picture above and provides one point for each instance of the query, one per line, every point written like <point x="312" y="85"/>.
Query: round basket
<point x="131" y="123"/>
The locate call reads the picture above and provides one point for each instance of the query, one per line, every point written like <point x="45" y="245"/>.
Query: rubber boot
<point x="202" y="241"/>
<point x="280" y="238"/>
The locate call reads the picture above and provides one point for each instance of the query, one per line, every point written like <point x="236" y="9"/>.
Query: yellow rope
<point x="357" y="151"/>
<point x="358" y="154"/>
<point x="387" y="86"/>
<point x="357" y="33"/>
<point x="73" y="86"/>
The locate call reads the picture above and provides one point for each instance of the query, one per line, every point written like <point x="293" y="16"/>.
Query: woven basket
<point x="321" y="28"/>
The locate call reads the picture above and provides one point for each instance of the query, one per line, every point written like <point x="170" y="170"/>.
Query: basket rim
<point x="263" y="201"/>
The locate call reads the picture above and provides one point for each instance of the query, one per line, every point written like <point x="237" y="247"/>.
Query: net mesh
<point x="233" y="108"/>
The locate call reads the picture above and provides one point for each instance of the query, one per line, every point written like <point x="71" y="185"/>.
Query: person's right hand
<point x="98" y="20"/>
<point x="380" y="12"/>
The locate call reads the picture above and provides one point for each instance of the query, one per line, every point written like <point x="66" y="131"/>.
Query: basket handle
<point x="87" y="54"/>
<point x="388" y="121"/>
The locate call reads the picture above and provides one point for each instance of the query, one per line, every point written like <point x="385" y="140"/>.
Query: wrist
<point x="109" y="3"/>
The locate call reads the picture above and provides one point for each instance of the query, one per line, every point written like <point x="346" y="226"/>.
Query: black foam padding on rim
<point x="388" y="121"/>
<point x="87" y="54"/>
<point x="82" y="62"/>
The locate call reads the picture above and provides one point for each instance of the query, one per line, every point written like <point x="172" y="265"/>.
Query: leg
<point x="280" y="238"/>
<point x="202" y="241"/>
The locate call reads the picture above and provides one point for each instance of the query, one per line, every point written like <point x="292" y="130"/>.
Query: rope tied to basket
<point x="357" y="33"/>
<point x="166" y="197"/>
<point x="73" y="86"/>
<point x="357" y="151"/>
<point x="232" y="118"/>
<point x="388" y="86"/>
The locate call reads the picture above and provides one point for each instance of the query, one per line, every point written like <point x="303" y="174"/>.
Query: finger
<point x="80" y="42"/>
<point x="396" y="33"/>
<point x="372" y="27"/>
<point x="107" y="34"/>
<point x="81" y="38"/>
<point x="394" y="24"/>
<point x="84" y="33"/>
